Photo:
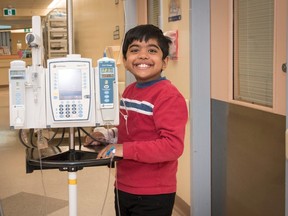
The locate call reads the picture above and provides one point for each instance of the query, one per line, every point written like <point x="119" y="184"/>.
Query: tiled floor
<point x="45" y="193"/>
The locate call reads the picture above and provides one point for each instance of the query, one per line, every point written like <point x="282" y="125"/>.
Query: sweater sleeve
<point x="170" y="117"/>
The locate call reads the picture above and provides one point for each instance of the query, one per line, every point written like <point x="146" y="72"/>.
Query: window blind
<point x="253" y="51"/>
<point x="153" y="12"/>
<point x="5" y="38"/>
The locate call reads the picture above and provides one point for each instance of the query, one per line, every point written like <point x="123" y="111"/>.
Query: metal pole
<point x="70" y="26"/>
<point x="37" y="52"/>
<point x="72" y="180"/>
<point x="72" y="176"/>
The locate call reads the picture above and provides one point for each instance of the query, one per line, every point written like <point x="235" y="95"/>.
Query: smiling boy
<point x="153" y="116"/>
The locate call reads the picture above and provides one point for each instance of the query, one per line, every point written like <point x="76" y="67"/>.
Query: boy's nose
<point x="143" y="55"/>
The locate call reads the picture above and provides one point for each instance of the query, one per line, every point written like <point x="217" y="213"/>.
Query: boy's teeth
<point x="143" y="65"/>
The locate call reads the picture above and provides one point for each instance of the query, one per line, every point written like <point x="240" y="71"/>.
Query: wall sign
<point x="9" y="11"/>
<point x="174" y="11"/>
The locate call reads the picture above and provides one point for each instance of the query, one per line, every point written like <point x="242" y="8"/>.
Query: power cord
<point x="100" y="140"/>
<point x="43" y="184"/>
<point x="117" y="191"/>
<point x="109" y="177"/>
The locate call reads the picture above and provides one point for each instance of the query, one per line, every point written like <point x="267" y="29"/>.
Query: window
<point x="253" y="51"/>
<point x="154" y="12"/>
<point x="5" y="38"/>
<point x="5" y="43"/>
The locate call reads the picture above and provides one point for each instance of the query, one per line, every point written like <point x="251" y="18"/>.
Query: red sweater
<point x="152" y="136"/>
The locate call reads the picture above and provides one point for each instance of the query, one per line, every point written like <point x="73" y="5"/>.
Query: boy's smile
<point x="144" y="60"/>
<point x="144" y="66"/>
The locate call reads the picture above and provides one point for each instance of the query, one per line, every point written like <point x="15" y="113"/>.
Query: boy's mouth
<point x="143" y="65"/>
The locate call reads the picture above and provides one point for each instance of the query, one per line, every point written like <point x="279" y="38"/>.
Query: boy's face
<point x="144" y="60"/>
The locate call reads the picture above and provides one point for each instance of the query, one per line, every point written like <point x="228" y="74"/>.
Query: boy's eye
<point x="134" y="50"/>
<point x="152" y="51"/>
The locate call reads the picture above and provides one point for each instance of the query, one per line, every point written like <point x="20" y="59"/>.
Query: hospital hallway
<point x="42" y="193"/>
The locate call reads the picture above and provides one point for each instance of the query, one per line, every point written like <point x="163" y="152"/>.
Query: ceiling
<point x="25" y="9"/>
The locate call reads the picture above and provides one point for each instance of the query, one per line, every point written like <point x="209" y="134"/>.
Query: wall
<point x="221" y="55"/>
<point x="95" y="22"/>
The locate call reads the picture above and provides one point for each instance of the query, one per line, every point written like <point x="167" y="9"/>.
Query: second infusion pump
<point x="69" y="98"/>
<point x="73" y="89"/>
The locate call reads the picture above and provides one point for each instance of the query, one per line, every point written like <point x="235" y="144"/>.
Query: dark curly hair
<point x="146" y="32"/>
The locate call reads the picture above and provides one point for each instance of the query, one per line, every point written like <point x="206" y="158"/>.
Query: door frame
<point x="200" y="104"/>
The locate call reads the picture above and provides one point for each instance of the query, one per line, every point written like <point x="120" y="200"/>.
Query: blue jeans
<point x="143" y="205"/>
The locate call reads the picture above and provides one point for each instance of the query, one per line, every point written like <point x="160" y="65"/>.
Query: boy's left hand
<point x="115" y="150"/>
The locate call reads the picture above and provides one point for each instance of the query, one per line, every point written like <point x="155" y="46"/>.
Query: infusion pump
<point x="69" y="93"/>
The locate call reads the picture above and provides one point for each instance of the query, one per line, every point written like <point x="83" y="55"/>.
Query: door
<point x="248" y="142"/>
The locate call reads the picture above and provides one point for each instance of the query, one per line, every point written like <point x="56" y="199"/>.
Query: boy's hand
<point x="111" y="150"/>
<point x="97" y="135"/>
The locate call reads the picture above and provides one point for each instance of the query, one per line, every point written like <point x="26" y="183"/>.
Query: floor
<point x="45" y="193"/>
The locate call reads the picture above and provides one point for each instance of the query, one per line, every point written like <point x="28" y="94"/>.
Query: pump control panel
<point x="106" y="79"/>
<point x="70" y="91"/>
<point x="17" y="79"/>
<point x="107" y="75"/>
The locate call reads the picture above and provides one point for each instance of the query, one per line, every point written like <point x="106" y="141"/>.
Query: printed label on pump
<point x="106" y="81"/>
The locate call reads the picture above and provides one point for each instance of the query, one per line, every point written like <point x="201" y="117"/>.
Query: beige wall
<point x="221" y="60"/>
<point x="280" y="56"/>
<point x="94" y="24"/>
<point x="221" y="55"/>
<point x="94" y="31"/>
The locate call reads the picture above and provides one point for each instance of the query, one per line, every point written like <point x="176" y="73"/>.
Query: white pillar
<point x="200" y="108"/>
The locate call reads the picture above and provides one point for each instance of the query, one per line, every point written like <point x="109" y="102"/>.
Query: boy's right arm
<point x="102" y="134"/>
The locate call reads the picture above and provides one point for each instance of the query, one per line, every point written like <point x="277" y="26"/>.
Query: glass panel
<point x="153" y="12"/>
<point x="253" y="51"/>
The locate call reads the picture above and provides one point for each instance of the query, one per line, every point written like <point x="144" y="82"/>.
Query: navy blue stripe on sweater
<point x="142" y="107"/>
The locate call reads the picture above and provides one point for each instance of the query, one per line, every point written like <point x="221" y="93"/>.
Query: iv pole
<point x="37" y="52"/>
<point x="73" y="160"/>
<point x="70" y="161"/>
<point x="72" y="176"/>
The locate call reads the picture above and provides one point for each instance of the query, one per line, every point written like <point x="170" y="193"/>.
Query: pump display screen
<point x="70" y="84"/>
<point x="17" y="74"/>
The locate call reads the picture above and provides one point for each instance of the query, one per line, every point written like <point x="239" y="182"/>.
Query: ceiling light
<point x="2" y="27"/>
<point x="26" y="30"/>
<point x="53" y="4"/>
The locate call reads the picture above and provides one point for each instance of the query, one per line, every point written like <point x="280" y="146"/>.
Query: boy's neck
<point x="149" y="83"/>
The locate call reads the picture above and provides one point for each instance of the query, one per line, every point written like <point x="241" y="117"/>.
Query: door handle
<point x="284" y="67"/>
<point x="286" y="144"/>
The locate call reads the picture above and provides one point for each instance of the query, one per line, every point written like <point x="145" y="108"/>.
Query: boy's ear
<point x="124" y="61"/>
<point x="165" y="63"/>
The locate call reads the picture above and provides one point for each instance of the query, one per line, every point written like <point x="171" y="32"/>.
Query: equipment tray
<point x="64" y="159"/>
